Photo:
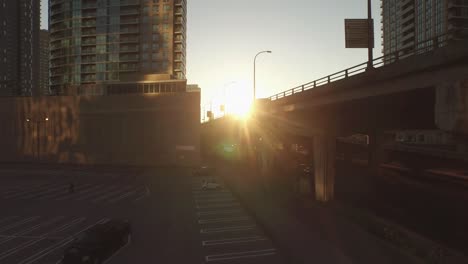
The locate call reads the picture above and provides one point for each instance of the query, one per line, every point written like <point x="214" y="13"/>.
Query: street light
<point x="255" y="61"/>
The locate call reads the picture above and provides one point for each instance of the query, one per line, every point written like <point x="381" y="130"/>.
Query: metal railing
<point x="423" y="47"/>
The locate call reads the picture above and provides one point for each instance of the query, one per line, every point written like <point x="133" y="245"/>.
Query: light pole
<point x="370" y="28"/>
<point x="37" y="123"/>
<point x="255" y="69"/>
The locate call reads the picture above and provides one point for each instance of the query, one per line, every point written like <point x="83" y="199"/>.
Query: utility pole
<point x="370" y="28"/>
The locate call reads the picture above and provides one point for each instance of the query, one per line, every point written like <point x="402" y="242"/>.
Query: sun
<point x="239" y="101"/>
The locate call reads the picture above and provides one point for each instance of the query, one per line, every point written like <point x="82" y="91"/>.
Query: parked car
<point x="98" y="243"/>
<point x="210" y="185"/>
<point x="204" y="171"/>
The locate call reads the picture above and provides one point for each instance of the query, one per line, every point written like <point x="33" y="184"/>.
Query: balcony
<point x="179" y="3"/>
<point x="89" y="6"/>
<point x="134" y="30"/>
<point x="128" y="67"/>
<point x="88" y="14"/>
<point x="129" y="3"/>
<point x="88" y="24"/>
<point x="129" y="12"/>
<point x="129" y="40"/>
<point x="88" y="51"/>
<point x="56" y="11"/>
<point x="90" y="42"/>
<point x="88" y="70"/>
<point x="88" y="32"/>
<point x="56" y="2"/>
<point x="179" y="21"/>
<point x="129" y="58"/>
<point x="128" y="49"/>
<point x="129" y="21"/>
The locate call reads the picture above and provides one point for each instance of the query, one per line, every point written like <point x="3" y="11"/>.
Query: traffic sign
<point x="357" y="33"/>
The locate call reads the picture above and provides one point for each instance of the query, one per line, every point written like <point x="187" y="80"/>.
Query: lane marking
<point x="226" y="229"/>
<point x="211" y="192"/>
<point x="26" y="244"/>
<point x="32" y="228"/>
<point x="40" y="193"/>
<point x="110" y="194"/>
<point x="215" y="200"/>
<point x="123" y="196"/>
<point x="212" y="195"/>
<point x="238" y="255"/>
<point x="8" y="218"/>
<point x="97" y="192"/>
<point x="237" y="240"/>
<point x="60" y="244"/>
<point x="67" y="195"/>
<point x="56" y="195"/>
<point x="220" y="205"/>
<point x="32" y="237"/>
<point x="223" y="220"/>
<point x="5" y="228"/>
<point x="221" y="212"/>
<point x="20" y="193"/>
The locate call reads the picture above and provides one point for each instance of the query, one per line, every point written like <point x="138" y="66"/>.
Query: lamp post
<point x="254" y="84"/>
<point x="37" y="123"/>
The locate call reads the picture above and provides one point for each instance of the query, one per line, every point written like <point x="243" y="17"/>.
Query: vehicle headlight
<point x="85" y="258"/>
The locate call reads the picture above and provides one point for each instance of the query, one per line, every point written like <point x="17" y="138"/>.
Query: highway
<point x="173" y="219"/>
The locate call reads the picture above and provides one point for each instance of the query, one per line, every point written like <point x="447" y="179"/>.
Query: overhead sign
<point x="357" y="33"/>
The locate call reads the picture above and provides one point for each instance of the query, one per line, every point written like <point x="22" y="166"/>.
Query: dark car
<point x="98" y="243"/>
<point x="204" y="171"/>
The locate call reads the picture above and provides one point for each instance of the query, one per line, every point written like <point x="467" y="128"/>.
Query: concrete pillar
<point x="324" y="163"/>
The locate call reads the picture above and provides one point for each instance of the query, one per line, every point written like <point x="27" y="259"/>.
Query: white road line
<point x="221" y="212"/>
<point x="219" y="200"/>
<point x="97" y="193"/>
<point x="110" y="194"/>
<point x="25" y="192"/>
<point x="223" y="220"/>
<point x="65" y="191"/>
<point x="32" y="228"/>
<point x="19" y="223"/>
<point x="60" y="244"/>
<point x="8" y="218"/>
<point x="238" y="255"/>
<point x="236" y="240"/>
<point x="123" y="196"/>
<point x="226" y="229"/>
<point x="220" y="205"/>
<point x="32" y="237"/>
<point x="28" y="243"/>
<point x="75" y="195"/>
<point x="201" y="191"/>
<point x="40" y="193"/>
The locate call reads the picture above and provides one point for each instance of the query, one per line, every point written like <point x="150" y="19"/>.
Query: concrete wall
<point x="125" y="130"/>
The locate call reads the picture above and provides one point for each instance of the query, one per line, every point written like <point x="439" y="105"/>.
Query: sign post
<point x="359" y="33"/>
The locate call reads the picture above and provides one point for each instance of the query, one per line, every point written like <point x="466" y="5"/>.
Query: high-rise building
<point x="19" y="39"/>
<point x="409" y="24"/>
<point x="117" y="46"/>
<point x="44" y="62"/>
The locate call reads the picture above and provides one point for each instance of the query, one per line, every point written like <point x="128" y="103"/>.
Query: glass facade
<point x="97" y="42"/>
<point x="410" y="24"/>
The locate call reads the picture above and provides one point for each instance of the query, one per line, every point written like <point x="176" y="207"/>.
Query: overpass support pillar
<point x="324" y="163"/>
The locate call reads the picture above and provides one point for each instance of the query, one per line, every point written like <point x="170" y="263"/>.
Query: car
<point x="98" y="243"/>
<point x="210" y="185"/>
<point x="204" y="171"/>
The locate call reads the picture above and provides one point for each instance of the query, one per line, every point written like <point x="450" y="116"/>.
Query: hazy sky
<point x="306" y="37"/>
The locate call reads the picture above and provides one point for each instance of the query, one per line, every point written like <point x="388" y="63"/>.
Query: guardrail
<point x="431" y="44"/>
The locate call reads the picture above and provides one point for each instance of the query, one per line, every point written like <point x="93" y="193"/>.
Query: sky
<point x="306" y="37"/>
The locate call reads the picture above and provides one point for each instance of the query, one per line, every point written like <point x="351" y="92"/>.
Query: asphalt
<point x="173" y="219"/>
<point x="308" y="235"/>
